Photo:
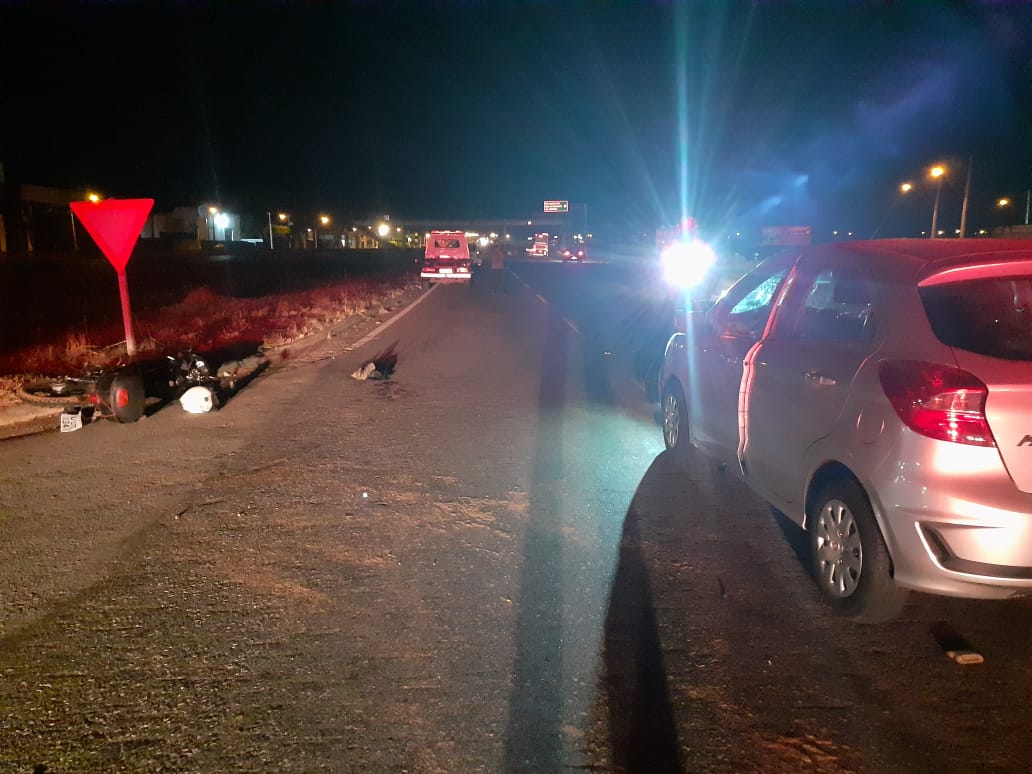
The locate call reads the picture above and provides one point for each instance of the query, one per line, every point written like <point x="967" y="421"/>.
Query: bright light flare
<point x="221" y="220"/>
<point x="686" y="263"/>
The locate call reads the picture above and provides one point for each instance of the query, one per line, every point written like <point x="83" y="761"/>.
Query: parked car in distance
<point x="446" y="258"/>
<point x="880" y="395"/>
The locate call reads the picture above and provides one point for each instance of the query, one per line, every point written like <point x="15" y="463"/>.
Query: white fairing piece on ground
<point x="197" y="400"/>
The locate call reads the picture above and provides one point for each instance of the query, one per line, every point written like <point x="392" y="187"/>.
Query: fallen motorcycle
<point x="121" y="392"/>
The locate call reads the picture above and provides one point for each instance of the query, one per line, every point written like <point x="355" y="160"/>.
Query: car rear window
<point x="447" y="244"/>
<point x="990" y="317"/>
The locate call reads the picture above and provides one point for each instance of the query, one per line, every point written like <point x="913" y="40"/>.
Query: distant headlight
<point x="686" y="263"/>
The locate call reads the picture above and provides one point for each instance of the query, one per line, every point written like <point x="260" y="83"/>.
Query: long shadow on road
<point x="535" y="701"/>
<point x="642" y="732"/>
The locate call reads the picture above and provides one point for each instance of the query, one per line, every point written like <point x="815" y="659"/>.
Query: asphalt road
<point x="486" y="563"/>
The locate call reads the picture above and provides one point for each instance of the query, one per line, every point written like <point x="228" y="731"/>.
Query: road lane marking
<point x="389" y="322"/>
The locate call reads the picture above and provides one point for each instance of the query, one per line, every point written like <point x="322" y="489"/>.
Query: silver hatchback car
<point x="880" y="395"/>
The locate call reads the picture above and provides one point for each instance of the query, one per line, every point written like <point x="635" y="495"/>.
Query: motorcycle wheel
<point x="121" y="395"/>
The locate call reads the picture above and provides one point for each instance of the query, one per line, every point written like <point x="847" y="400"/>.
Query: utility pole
<point x="935" y="208"/>
<point x="967" y="190"/>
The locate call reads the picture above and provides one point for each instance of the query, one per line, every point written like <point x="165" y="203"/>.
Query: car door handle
<point x="816" y="377"/>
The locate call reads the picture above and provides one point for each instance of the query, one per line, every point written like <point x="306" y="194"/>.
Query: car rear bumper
<point x="456" y="277"/>
<point x="968" y="534"/>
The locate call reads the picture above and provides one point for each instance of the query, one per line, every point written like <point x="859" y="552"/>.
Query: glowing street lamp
<point x="937" y="172"/>
<point x="906" y="187"/>
<point x="324" y="220"/>
<point x="90" y="197"/>
<point x="1003" y="202"/>
<point x="383" y="230"/>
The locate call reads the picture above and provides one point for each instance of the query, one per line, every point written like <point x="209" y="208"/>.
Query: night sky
<point x="742" y="115"/>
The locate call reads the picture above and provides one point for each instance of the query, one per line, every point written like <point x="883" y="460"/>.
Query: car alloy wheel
<point x="839" y="552"/>
<point x="675" y="418"/>
<point x="850" y="560"/>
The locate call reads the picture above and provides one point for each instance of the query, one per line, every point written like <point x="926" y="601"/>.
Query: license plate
<point x="445" y="271"/>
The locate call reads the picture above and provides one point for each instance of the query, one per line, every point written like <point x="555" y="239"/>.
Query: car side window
<point x="745" y="312"/>
<point x="836" y="305"/>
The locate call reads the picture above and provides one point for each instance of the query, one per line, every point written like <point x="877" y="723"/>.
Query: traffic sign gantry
<point x="115" y="225"/>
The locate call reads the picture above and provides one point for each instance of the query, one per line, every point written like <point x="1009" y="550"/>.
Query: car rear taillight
<point x="938" y="401"/>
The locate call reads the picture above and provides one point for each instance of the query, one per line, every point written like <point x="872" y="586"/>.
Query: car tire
<point x="122" y="395"/>
<point x="425" y="284"/>
<point x="675" y="418"/>
<point x="850" y="562"/>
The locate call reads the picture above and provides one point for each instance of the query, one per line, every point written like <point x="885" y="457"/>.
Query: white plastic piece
<point x="197" y="400"/>
<point x="364" y="372"/>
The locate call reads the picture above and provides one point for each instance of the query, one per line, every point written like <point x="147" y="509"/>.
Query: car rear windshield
<point x="447" y="244"/>
<point x="990" y="317"/>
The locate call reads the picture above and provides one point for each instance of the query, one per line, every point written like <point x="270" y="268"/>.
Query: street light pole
<point x="935" y="209"/>
<point x="269" y="216"/>
<point x="937" y="173"/>
<point x="964" y="207"/>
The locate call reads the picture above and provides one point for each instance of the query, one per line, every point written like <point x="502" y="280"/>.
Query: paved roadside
<point x="18" y="418"/>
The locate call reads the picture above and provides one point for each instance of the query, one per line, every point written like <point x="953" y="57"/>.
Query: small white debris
<point x="364" y="372"/>
<point x="965" y="657"/>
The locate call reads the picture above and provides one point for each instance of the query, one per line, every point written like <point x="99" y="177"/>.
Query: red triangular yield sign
<point x="115" y="225"/>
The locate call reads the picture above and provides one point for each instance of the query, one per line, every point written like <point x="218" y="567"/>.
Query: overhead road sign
<point x="557" y="205"/>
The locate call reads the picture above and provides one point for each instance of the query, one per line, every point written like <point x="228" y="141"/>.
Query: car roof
<point x="912" y="259"/>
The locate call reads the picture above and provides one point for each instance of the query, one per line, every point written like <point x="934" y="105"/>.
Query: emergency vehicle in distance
<point x="446" y="258"/>
<point x="540" y="246"/>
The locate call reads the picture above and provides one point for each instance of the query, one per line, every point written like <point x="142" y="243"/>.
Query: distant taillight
<point x="938" y="401"/>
